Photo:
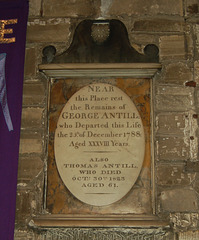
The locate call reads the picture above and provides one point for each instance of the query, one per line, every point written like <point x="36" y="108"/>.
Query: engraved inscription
<point x="99" y="144"/>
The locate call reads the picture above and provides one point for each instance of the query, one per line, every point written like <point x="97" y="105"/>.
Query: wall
<point x="173" y="25"/>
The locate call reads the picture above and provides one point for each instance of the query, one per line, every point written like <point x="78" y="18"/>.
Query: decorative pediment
<point x="101" y="41"/>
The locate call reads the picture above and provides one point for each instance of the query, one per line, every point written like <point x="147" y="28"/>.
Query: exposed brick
<point x="174" y="175"/>
<point x="33" y="94"/>
<point x="172" y="148"/>
<point x="192" y="7"/>
<point x="30" y="143"/>
<point x="190" y="84"/>
<point x="158" y="25"/>
<point x="30" y="62"/>
<point x="142" y="7"/>
<point x="179" y="200"/>
<point x="69" y="8"/>
<point x="172" y="47"/>
<point x="32" y="118"/>
<point x="177" y="73"/>
<point x="51" y="30"/>
<point x="28" y="168"/>
<point x="171" y="123"/>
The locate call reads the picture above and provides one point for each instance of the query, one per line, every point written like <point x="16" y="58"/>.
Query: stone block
<point x="174" y="103"/>
<point x="30" y="62"/>
<point x="177" y="73"/>
<point x="172" y="148"/>
<point x="74" y="8"/>
<point x="142" y="7"/>
<point x="173" y="175"/>
<point x="32" y="118"/>
<point x="48" y="30"/>
<point x="172" y="47"/>
<point x="28" y="168"/>
<point x="174" y="98"/>
<point x="174" y="90"/>
<point x="34" y="94"/>
<point x="179" y="200"/>
<point x="171" y="123"/>
<point x="23" y="206"/>
<point x="35" y="8"/>
<point x="31" y="143"/>
<point x="158" y="25"/>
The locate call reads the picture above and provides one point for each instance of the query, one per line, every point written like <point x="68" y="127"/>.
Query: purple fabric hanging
<point x="13" y="22"/>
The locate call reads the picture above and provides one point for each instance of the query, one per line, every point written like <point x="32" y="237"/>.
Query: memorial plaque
<point x="99" y="144"/>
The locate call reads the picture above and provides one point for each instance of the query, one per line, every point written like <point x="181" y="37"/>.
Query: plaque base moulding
<point x="144" y="221"/>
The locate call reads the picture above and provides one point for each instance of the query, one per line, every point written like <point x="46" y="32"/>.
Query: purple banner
<point x="13" y="22"/>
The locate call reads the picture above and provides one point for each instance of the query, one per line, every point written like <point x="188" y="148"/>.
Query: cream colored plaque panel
<point x="99" y="144"/>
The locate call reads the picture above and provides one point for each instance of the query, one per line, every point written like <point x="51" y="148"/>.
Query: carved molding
<point x="103" y="234"/>
<point x="100" y="32"/>
<point x="184" y="221"/>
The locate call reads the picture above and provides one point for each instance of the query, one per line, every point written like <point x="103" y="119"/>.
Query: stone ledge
<point x="139" y="70"/>
<point x="146" y="221"/>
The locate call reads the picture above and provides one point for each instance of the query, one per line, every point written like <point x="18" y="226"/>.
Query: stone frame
<point x="135" y="70"/>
